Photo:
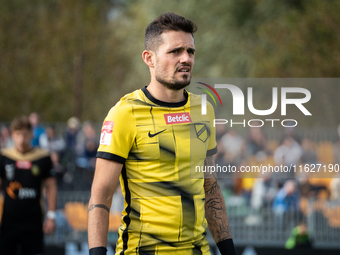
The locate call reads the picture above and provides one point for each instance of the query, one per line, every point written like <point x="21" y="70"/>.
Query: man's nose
<point x="185" y="57"/>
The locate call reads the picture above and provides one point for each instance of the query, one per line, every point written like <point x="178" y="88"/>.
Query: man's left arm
<point x="51" y="196"/>
<point x="216" y="212"/>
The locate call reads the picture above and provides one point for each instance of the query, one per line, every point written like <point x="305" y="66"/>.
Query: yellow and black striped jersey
<point x="160" y="144"/>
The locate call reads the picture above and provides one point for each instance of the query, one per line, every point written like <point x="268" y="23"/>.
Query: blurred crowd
<point x="282" y="190"/>
<point x="73" y="151"/>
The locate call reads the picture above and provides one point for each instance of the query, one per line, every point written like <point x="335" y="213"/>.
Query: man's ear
<point x="148" y="57"/>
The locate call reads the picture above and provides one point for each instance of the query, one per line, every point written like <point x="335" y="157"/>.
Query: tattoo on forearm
<point x="215" y="210"/>
<point x="92" y="206"/>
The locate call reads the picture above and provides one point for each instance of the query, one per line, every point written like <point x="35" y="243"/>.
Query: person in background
<point x="87" y="146"/>
<point x="24" y="171"/>
<point x="299" y="238"/>
<point x="5" y="138"/>
<point x="286" y="200"/>
<point x="51" y="141"/>
<point x="37" y="129"/>
<point x="72" y="130"/>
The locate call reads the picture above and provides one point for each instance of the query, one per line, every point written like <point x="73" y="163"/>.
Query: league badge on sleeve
<point x="10" y="170"/>
<point x="106" y="135"/>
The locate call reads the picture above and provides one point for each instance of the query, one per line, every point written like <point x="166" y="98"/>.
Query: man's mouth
<point x="184" y="69"/>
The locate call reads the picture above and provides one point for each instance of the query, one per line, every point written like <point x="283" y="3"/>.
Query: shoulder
<point x="197" y="100"/>
<point x="126" y="105"/>
<point x="41" y="153"/>
<point x="7" y="152"/>
<point x="34" y="155"/>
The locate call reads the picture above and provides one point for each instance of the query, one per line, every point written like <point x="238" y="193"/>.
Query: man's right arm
<point x="105" y="180"/>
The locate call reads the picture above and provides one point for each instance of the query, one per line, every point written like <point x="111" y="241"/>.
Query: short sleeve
<point x="47" y="166"/>
<point x="2" y="169"/>
<point x="212" y="146"/>
<point x="117" y="133"/>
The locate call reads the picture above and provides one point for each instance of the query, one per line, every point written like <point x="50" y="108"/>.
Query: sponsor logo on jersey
<point x="25" y="193"/>
<point x="15" y="191"/>
<point x="27" y="165"/>
<point x="12" y="189"/>
<point x="106" y="135"/>
<point x="10" y="170"/>
<point x="177" y="118"/>
<point x="154" y="134"/>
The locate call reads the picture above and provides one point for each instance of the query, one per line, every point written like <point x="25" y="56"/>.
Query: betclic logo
<point x="176" y="118"/>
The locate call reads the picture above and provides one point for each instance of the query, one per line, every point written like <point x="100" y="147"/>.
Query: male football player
<point x="150" y="139"/>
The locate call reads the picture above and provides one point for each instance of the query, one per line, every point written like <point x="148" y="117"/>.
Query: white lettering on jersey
<point x="175" y="118"/>
<point x="27" y="193"/>
<point x="106" y="135"/>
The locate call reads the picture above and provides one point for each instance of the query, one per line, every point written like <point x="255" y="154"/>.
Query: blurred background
<point x="67" y="62"/>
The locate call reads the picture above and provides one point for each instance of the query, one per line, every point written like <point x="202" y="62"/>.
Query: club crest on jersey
<point x="35" y="170"/>
<point x="10" y="172"/>
<point x="106" y="134"/>
<point x="202" y="132"/>
<point x="177" y="118"/>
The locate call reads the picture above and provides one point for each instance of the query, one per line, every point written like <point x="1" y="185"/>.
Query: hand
<point x="49" y="226"/>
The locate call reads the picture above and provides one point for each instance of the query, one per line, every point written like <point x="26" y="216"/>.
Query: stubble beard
<point x="173" y="83"/>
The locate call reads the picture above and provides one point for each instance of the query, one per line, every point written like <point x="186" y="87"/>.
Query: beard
<point x="173" y="83"/>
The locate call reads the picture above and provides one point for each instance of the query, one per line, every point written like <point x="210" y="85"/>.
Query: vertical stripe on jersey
<point x="126" y="219"/>
<point x="197" y="250"/>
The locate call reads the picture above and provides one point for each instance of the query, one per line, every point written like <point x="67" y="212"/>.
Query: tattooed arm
<point x="215" y="210"/>
<point x="104" y="184"/>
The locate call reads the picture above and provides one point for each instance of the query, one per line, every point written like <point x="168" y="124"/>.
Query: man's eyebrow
<point x="182" y="48"/>
<point x="178" y="48"/>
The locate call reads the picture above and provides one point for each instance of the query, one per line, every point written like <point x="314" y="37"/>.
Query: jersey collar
<point x="166" y="104"/>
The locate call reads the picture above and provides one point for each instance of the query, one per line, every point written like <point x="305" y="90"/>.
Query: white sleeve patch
<point x="106" y="134"/>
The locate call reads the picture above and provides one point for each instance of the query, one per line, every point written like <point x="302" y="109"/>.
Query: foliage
<point x="64" y="58"/>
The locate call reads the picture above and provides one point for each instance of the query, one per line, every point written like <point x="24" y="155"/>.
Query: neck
<point x="162" y="93"/>
<point x="23" y="150"/>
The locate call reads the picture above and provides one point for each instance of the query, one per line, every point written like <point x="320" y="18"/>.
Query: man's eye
<point x="191" y="52"/>
<point x="175" y="51"/>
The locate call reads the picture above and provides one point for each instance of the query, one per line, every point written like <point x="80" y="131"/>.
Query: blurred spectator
<point x="299" y="238"/>
<point x="308" y="152"/>
<point x="256" y="140"/>
<point x="226" y="180"/>
<point x="220" y="131"/>
<point x="38" y="130"/>
<point x="5" y="138"/>
<point x="263" y="193"/>
<point x="288" y="153"/>
<point x="287" y="198"/>
<point x="309" y="190"/>
<point x="87" y="146"/>
<point x="291" y="132"/>
<point x="56" y="146"/>
<point x="51" y="142"/>
<point x="71" y="133"/>
<point x="335" y="188"/>
<point x="87" y="133"/>
<point x="234" y="146"/>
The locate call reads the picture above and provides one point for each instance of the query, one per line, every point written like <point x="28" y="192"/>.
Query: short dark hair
<point x="21" y="123"/>
<point x="168" y="21"/>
